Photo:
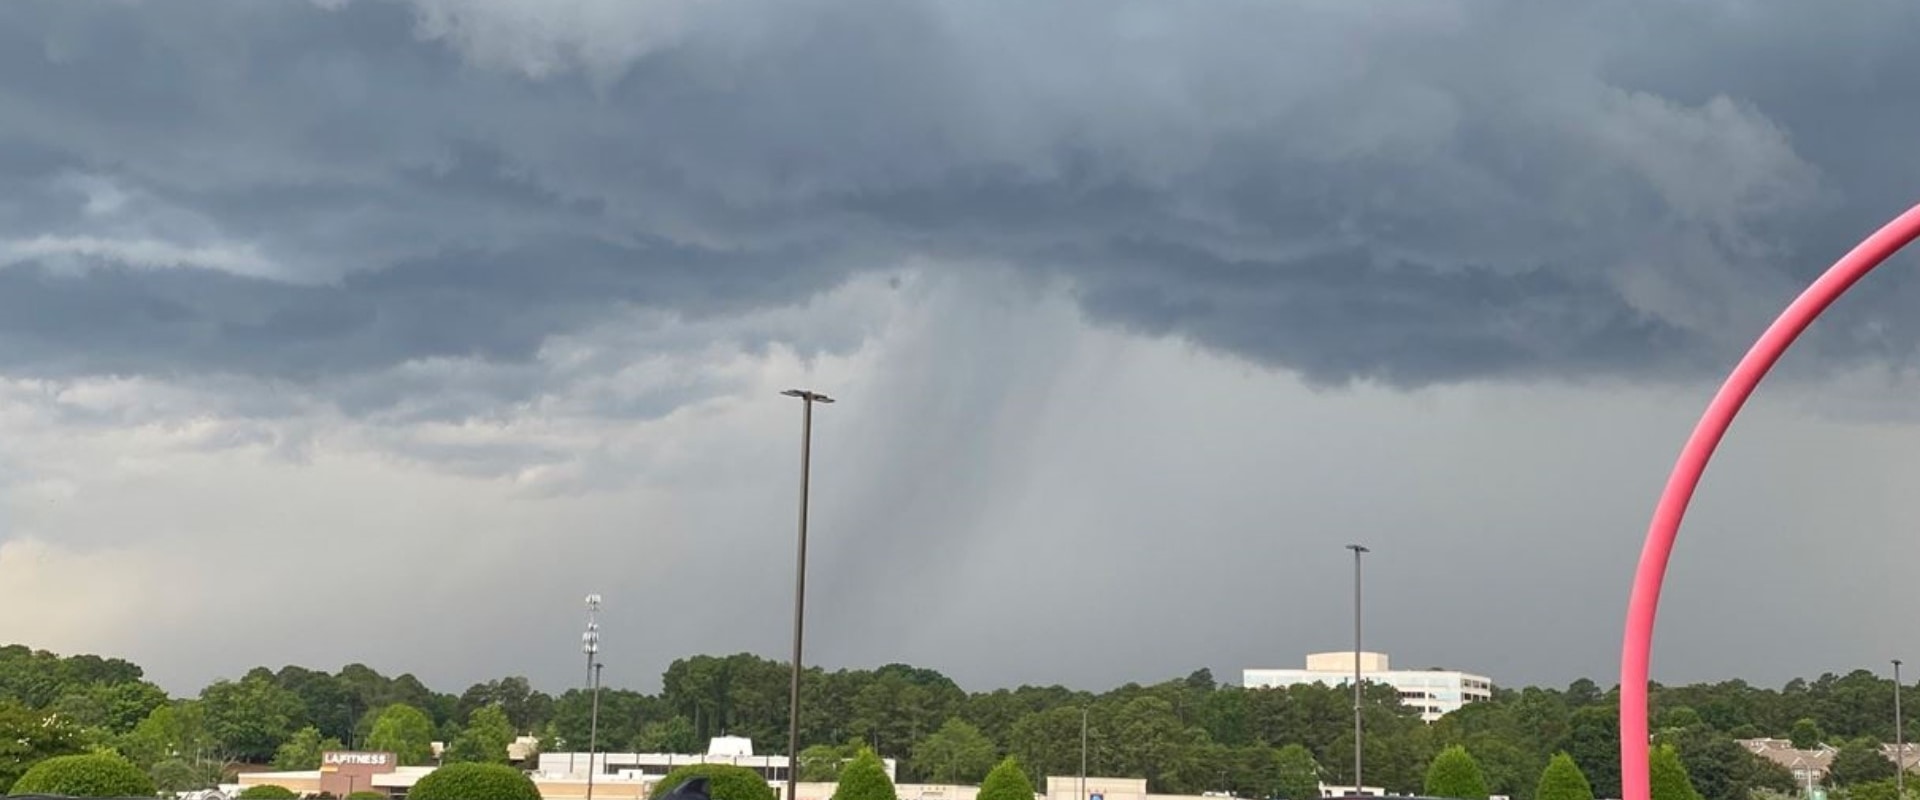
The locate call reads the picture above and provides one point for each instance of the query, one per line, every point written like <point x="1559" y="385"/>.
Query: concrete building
<point x="395" y="782"/>
<point x="616" y="776"/>
<point x="1067" y="787"/>
<point x="1432" y="692"/>
<point x="734" y="750"/>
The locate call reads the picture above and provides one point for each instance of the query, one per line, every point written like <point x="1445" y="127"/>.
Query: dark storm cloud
<point x="1410" y="193"/>
<point x="486" y="305"/>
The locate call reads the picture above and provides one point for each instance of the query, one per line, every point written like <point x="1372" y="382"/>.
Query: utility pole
<point x="807" y="398"/>
<point x="1899" y="740"/>
<point x="1358" y="742"/>
<point x="1083" y="753"/>
<point x="593" y="737"/>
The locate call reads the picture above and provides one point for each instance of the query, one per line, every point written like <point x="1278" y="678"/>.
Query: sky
<point x="386" y="330"/>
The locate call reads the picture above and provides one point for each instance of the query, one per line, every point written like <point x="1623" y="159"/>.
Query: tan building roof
<point x="1782" y="752"/>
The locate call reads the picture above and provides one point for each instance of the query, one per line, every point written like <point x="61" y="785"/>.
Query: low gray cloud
<point x="1414" y="195"/>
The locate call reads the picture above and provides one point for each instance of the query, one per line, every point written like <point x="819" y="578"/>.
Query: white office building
<point x="1432" y="692"/>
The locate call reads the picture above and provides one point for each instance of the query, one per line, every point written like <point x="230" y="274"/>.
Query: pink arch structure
<point x="1637" y="650"/>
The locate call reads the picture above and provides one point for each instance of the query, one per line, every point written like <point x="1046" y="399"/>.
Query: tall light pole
<point x="1358" y="784"/>
<point x="807" y="399"/>
<point x="593" y="736"/>
<point x="590" y="646"/>
<point x="1899" y="739"/>
<point x="1083" y="753"/>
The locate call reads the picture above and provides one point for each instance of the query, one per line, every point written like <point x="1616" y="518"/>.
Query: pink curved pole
<point x="1637" y="650"/>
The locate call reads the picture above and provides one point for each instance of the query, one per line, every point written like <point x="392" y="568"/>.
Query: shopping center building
<point x="564" y="776"/>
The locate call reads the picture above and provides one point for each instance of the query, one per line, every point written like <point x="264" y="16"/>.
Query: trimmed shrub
<point x="90" y="775"/>
<point x="268" y="791"/>
<point x="363" y="794"/>
<point x="1454" y="773"/>
<point x="1006" y="782"/>
<point x="865" y="779"/>
<point x="724" y="782"/>
<point x="475" y="782"/>
<point x="1563" y="780"/>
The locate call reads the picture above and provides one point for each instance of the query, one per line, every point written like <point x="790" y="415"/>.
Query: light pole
<point x="807" y="399"/>
<point x="593" y="736"/>
<point x="1083" y="753"/>
<point x="1899" y="740"/>
<point x="1358" y="784"/>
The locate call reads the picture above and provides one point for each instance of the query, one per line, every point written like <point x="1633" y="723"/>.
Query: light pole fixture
<point x="1358" y="784"/>
<point x="807" y="400"/>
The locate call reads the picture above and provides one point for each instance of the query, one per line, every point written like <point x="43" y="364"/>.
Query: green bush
<point x="475" y="782"/>
<point x="1563" y="780"/>
<point x="865" y="779"/>
<point x="724" y="782"/>
<point x="1006" y="782"/>
<point x="90" y="775"/>
<point x="1455" y="774"/>
<point x="363" y="794"/>
<point x="268" y="791"/>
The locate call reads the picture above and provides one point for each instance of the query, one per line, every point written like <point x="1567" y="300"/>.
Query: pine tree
<point x="1455" y="774"/>
<point x="1006" y="782"/>
<point x="864" y="779"/>
<point x="1668" y="777"/>
<point x="1563" y="780"/>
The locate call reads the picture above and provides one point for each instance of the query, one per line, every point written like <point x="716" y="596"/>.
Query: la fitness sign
<point x="356" y="759"/>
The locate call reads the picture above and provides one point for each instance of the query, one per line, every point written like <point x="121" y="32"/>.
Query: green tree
<point x="1593" y="740"/>
<point x="1806" y="734"/>
<point x="1667" y="776"/>
<point x="1298" y="776"/>
<point x="250" y="718"/>
<point x="823" y="762"/>
<point x="1859" y="761"/>
<point x="475" y="782"/>
<point x="1006" y="782"/>
<point x="365" y="794"/>
<point x="1454" y="773"/>
<point x="671" y="735"/>
<point x="724" y="782"/>
<point x="1720" y="769"/>
<point x="1884" y="789"/>
<point x="864" y="779"/>
<point x="28" y="736"/>
<point x="405" y="731"/>
<point x="88" y="775"/>
<point x="302" y="751"/>
<point x="171" y="731"/>
<point x="956" y="753"/>
<point x="268" y="791"/>
<point x="485" y="739"/>
<point x="1563" y="780"/>
<point x="113" y="707"/>
<point x="177" y="775"/>
<point x="525" y="708"/>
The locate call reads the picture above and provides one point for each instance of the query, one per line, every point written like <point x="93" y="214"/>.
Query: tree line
<point x="1185" y="735"/>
